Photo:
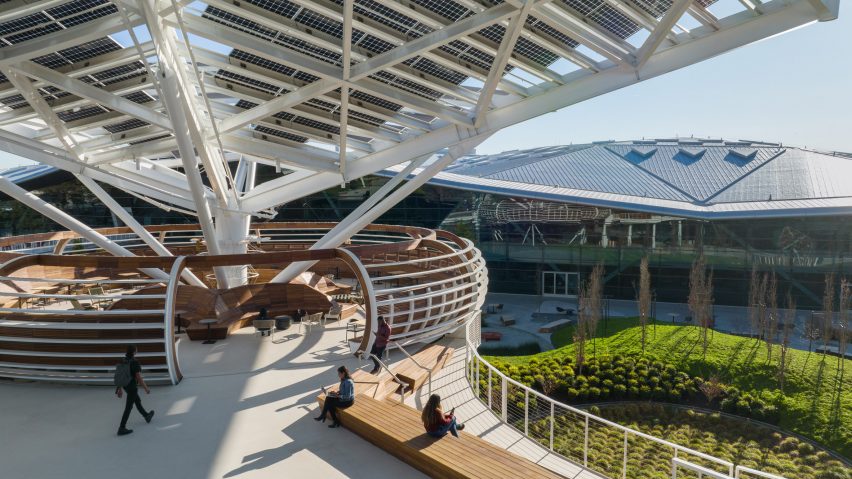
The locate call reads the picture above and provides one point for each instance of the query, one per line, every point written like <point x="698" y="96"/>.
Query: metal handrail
<point x="396" y="379"/>
<point x="529" y="392"/>
<point x="701" y="470"/>
<point x="754" y="472"/>
<point x="428" y="371"/>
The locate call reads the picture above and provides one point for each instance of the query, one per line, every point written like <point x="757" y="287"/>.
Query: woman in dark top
<point x="438" y="423"/>
<point x="341" y="399"/>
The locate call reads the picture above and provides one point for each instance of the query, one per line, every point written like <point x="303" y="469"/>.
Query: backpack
<point x="122" y="375"/>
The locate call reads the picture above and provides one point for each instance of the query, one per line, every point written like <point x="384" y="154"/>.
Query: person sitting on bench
<point x="340" y="399"/>
<point x="436" y="422"/>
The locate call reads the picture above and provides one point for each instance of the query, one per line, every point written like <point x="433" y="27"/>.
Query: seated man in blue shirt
<point x="342" y="399"/>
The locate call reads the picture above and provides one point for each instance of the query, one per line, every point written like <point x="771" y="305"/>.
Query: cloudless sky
<point x="795" y="88"/>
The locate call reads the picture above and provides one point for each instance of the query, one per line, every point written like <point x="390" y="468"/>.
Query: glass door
<point x="558" y="283"/>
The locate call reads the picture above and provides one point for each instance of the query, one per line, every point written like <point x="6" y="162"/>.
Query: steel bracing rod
<point x="67" y="38"/>
<point x="329" y="239"/>
<point x="58" y="158"/>
<point x="701" y="44"/>
<point x="98" y="95"/>
<point x="25" y="197"/>
<point x="331" y="10"/>
<point x="661" y="31"/>
<point x="371" y="210"/>
<point x="826" y="9"/>
<point x="346" y="61"/>
<point x="134" y="225"/>
<point x="40" y="105"/>
<point x="170" y="65"/>
<point x="507" y="45"/>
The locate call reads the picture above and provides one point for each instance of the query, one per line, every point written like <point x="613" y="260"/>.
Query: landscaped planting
<point x="734" y="376"/>
<point x="744" y="443"/>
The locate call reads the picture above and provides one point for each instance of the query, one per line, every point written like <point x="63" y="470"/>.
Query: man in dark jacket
<point x="381" y="342"/>
<point x="132" y="391"/>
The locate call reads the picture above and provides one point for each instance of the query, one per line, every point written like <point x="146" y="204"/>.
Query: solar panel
<point x="139" y="97"/>
<point x="246" y="82"/>
<point x="80" y="113"/>
<point x="281" y="134"/>
<point x="146" y="140"/>
<point x="54" y="19"/>
<point x="446" y="8"/>
<point x="125" y="125"/>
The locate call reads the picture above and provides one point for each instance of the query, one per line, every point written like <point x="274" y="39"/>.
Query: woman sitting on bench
<point x="340" y="399"/>
<point x="436" y="422"/>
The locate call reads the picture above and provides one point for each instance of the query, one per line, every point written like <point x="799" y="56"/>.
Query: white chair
<point x="263" y="325"/>
<point x="310" y="320"/>
<point x="333" y="314"/>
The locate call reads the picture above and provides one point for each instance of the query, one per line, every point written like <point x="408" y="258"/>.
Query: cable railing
<point x="598" y="444"/>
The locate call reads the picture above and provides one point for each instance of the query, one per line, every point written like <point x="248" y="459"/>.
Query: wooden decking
<point x="397" y="429"/>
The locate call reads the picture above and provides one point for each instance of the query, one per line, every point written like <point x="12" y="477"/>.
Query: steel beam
<point x="67" y="221"/>
<point x="661" y="31"/>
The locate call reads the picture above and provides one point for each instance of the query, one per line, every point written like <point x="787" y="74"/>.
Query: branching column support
<point x="227" y="235"/>
<point x="378" y="204"/>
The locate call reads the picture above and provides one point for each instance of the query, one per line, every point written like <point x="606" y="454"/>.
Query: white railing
<point x="742" y="472"/>
<point x="562" y="428"/>
<point x="678" y="464"/>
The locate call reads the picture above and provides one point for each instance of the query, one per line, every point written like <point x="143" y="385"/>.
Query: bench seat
<point x="396" y="428"/>
<point x="432" y="358"/>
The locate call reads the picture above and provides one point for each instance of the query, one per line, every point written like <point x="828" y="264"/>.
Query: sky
<point x="794" y="88"/>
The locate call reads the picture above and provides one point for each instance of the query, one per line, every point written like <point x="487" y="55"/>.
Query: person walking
<point x="380" y="344"/>
<point x="128" y="376"/>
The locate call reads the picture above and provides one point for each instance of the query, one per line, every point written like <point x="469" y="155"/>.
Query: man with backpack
<point x="128" y="374"/>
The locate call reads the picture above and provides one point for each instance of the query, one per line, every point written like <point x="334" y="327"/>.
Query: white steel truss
<point x="328" y="90"/>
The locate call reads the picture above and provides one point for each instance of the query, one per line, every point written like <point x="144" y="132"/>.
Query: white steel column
<point x="363" y="216"/>
<point x="23" y="196"/>
<point x="134" y="225"/>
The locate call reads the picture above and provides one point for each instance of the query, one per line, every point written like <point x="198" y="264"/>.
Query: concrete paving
<point x="243" y="410"/>
<point x="729" y="319"/>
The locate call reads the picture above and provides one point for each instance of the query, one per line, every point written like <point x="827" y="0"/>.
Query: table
<point x="209" y="323"/>
<point x="283" y="322"/>
<point x="354" y="328"/>
<point x="674" y="316"/>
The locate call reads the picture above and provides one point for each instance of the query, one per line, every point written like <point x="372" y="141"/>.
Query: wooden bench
<point x="397" y="429"/>
<point x="374" y="386"/>
<point x="431" y="358"/>
<point x="492" y="336"/>
<point x="554" y="326"/>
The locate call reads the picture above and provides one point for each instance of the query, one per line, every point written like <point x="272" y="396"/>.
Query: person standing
<point x="131" y="369"/>
<point x="380" y="344"/>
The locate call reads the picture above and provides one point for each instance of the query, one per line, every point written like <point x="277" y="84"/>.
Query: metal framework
<point x="164" y="98"/>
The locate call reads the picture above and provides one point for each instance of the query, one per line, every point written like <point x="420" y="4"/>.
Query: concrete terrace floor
<point x="244" y="410"/>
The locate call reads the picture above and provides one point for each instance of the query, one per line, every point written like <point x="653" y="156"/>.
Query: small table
<point x="283" y="322"/>
<point x="354" y="328"/>
<point x="209" y="323"/>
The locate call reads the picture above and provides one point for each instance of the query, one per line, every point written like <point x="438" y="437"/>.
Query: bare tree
<point x="643" y="298"/>
<point x="843" y="339"/>
<point x="828" y="312"/>
<point x="753" y="302"/>
<point x="763" y="284"/>
<point x="700" y="299"/>
<point x="787" y="326"/>
<point x="595" y="304"/>
<point x="712" y="389"/>
<point x="582" y="321"/>
<point x="771" y="301"/>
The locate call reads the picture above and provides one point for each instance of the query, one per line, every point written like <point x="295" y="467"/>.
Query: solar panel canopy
<point x="179" y="101"/>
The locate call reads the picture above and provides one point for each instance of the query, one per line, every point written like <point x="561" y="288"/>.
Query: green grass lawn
<point x="818" y="394"/>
